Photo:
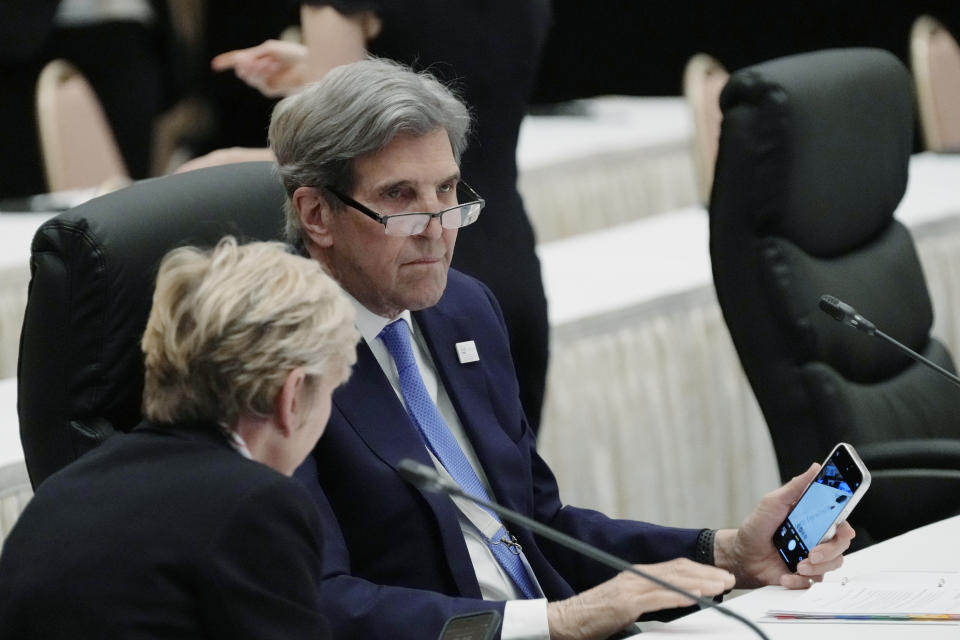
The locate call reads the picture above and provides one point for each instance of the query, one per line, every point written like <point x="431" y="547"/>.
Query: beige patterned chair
<point x="935" y="61"/>
<point x="703" y="80"/>
<point x="79" y="148"/>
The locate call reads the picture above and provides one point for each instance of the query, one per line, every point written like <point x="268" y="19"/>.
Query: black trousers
<point x="123" y="62"/>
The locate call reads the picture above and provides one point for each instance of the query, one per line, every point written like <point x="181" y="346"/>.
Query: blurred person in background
<point x="490" y="52"/>
<point x="127" y="49"/>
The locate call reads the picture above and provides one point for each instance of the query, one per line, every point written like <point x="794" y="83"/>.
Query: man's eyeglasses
<point x="410" y="224"/>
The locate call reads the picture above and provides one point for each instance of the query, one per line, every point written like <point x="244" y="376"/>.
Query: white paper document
<point x="891" y="597"/>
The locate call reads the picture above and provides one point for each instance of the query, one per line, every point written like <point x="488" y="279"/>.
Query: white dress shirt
<point x="522" y="619"/>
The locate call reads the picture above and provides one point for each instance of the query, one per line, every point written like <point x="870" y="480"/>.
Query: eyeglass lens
<point x="414" y="223"/>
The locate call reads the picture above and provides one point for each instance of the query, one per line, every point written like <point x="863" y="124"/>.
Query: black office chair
<point x="813" y="160"/>
<point x="80" y="373"/>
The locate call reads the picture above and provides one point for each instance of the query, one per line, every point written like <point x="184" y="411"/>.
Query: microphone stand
<point x="842" y="312"/>
<point x="427" y="478"/>
<point x="919" y="358"/>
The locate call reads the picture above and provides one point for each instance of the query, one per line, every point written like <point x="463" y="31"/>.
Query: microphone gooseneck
<point x="427" y="478"/>
<point x="842" y="312"/>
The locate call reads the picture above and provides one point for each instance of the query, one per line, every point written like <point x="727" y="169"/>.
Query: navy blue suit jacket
<point x="164" y="532"/>
<point x="395" y="561"/>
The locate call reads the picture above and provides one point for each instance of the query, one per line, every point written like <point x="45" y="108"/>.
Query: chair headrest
<point x="93" y="271"/>
<point x="830" y="131"/>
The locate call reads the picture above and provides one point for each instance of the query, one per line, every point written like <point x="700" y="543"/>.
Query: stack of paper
<point x="891" y="597"/>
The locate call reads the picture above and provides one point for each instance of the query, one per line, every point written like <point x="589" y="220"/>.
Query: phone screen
<point x="472" y="626"/>
<point x="818" y="508"/>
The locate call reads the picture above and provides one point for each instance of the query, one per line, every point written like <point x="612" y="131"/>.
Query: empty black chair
<point x="80" y="373"/>
<point x="813" y="160"/>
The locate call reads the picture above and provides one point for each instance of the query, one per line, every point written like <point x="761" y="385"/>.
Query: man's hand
<point x="275" y="67"/>
<point x="749" y="552"/>
<point x="229" y="155"/>
<point x="611" y="606"/>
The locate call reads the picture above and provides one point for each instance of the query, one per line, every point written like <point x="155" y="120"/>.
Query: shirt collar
<point x="370" y="324"/>
<point x="237" y="443"/>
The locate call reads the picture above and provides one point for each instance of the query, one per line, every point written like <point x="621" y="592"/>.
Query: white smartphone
<point x="824" y="505"/>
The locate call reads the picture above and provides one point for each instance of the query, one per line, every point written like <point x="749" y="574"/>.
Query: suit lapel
<point x="468" y="385"/>
<point x="468" y="388"/>
<point x="383" y="423"/>
<point x="385" y="427"/>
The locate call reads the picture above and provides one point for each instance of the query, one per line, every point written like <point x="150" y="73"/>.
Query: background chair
<point x="813" y="160"/>
<point x="80" y="374"/>
<point x="703" y="80"/>
<point x="935" y="59"/>
<point x="79" y="149"/>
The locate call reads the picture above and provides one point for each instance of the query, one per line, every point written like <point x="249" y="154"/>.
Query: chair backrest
<point x="92" y="275"/>
<point x="813" y="161"/>
<point x="935" y="59"/>
<point x="79" y="148"/>
<point x="703" y="80"/>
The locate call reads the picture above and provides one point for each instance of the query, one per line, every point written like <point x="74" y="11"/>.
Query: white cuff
<point x="525" y="620"/>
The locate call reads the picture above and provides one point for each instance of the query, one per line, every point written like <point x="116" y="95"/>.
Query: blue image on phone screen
<point x="813" y="514"/>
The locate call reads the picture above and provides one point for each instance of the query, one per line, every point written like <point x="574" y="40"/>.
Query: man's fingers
<point x="808" y="569"/>
<point x="833" y="547"/>
<point x="225" y="60"/>
<point x="794" y="488"/>
<point x="665" y="599"/>
<point x="796" y="581"/>
<point x="827" y="556"/>
<point x="688" y="575"/>
<point x="243" y="59"/>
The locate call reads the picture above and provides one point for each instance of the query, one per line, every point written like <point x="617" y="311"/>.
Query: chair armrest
<point x="915" y="482"/>
<point x="920" y="454"/>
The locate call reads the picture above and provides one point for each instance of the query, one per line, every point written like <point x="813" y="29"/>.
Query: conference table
<point x="16" y="232"/>
<point x="15" y="490"/>
<point x="922" y="556"/>
<point x="648" y="414"/>
<point x="605" y="161"/>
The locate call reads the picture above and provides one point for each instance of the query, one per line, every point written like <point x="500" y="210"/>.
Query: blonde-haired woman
<point x="189" y="526"/>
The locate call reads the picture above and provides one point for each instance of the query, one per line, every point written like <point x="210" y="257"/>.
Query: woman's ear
<point x="314" y="213"/>
<point x="289" y="404"/>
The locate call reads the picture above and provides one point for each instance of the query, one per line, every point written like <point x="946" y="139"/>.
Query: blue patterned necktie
<point x="424" y="413"/>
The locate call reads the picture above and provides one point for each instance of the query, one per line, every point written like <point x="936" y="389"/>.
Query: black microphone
<point x="427" y="478"/>
<point x="846" y="314"/>
<point x="842" y="312"/>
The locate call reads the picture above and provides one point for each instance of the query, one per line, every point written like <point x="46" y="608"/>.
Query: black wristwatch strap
<point x="704" y="553"/>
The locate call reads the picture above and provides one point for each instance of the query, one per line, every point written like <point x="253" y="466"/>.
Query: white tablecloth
<point x="16" y="232"/>
<point x="15" y="489"/>
<point x="648" y="413"/>
<point x="10" y="448"/>
<point x="622" y="159"/>
<point x="930" y="550"/>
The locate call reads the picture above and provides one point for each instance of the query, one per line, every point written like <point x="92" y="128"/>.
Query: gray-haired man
<point x="369" y="159"/>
